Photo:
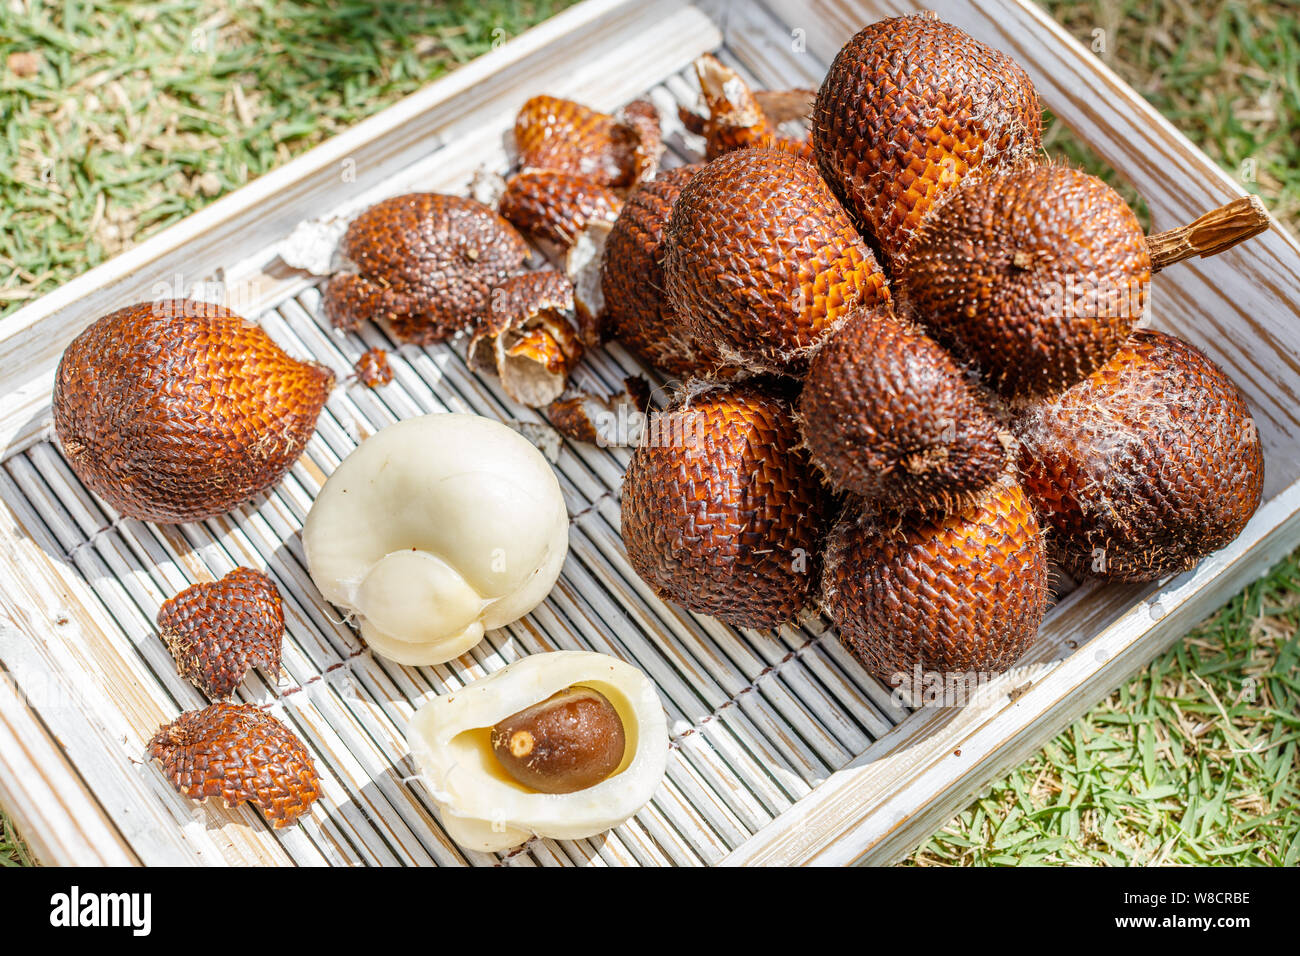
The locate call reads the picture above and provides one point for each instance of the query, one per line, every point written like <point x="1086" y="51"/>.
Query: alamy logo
<point x="75" y="908"/>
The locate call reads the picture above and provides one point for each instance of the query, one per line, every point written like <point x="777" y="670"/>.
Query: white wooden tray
<point x="784" y="750"/>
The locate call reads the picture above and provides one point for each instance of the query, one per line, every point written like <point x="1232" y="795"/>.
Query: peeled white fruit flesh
<point x="435" y="530"/>
<point x="481" y="806"/>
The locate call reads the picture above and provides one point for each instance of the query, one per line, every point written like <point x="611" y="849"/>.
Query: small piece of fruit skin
<point x="736" y="118"/>
<point x="571" y="741"/>
<point x="218" y="630"/>
<point x="372" y="369"/>
<point x="529" y="337"/>
<point x="562" y="136"/>
<point x="424" y="264"/>
<point x="556" y="206"/>
<point x="239" y="753"/>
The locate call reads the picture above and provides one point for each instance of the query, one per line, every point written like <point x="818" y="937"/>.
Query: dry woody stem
<point x="1210" y="234"/>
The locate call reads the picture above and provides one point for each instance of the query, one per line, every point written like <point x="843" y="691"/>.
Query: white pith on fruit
<point x="435" y="530"/>
<point x="481" y="806"/>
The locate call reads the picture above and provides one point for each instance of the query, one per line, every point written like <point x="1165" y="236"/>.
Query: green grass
<point x="121" y="117"/>
<point x="1192" y="762"/>
<point x="13" y="852"/>
<point x="139" y="113"/>
<point x="132" y="121"/>
<point x="1181" y="765"/>
<point x="1226" y="73"/>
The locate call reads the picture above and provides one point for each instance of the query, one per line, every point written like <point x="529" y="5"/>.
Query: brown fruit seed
<point x="908" y="108"/>
<point x="218" y="630"/>
<point x="761" y="262"/>
<point x="888" y="415"/>
<point x="637" y="312"/>
<point x="238" y="753"/>
<point x="528" y="337"/>
<point x="722" y="513"/>
<point x="956" y="593"/>
<point x="556" y="207"/>
<point x="1145" y="467"/>
<point x="425" y="264"/>
<point x="1036" y="277"/>
<point x="571" y="741"/>
<point x="179" y="411"/>
<point x="566" y="137"/>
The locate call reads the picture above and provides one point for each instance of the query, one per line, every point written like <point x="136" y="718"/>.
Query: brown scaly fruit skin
<point x="583" y="417"/>
<point x="640" y="140"/>
<point x="728" y="523"/>
<point x="217" y="631"/>
<point x="238" y="753"/>
<point x="761" y="262"/>
<point x="637" y="312"/>
<point x="889" y="416"/>
<point x="566" y="137"/>
<point x="179" y="411"/>
<point x="736" y="119"/>
<point x="1145" y="467"/>
<point x="950" y="592"/>
<point x="1036" y="277"/>
<point x="425" y="264"/>
<point x="555" y="206"/>
<point x="529" y="338"/>
<point x="372" y="369"/>
<point x="908" y="108"/>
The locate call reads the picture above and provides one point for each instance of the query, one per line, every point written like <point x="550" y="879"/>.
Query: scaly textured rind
<point x="534" y="312"/>
<point x="556" y="206"/>
<point x="909" y="107"/>
<point x="735" y="119"/>
<point x="238" y="753"/>
<point x="425" y="264"/>
<point x="729" y="521"/>
<point x="952" y="593"/>
<point x="217" y="631"/>
<point x="523" y="297"/>
<point x="761" y="261"/>
<point x="1036" y="277"/>
<point x="563" y="136"/>
<point x="1145" y="467"/>
<point x="638" y="141"/>
<point x="889" y="416"/>
<point x="179" y="411"/>
<point x="637" y="312"/>
<point x="372" y="369"/>
<point x="575" y="417"/>
<point x="583" y="416"/>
